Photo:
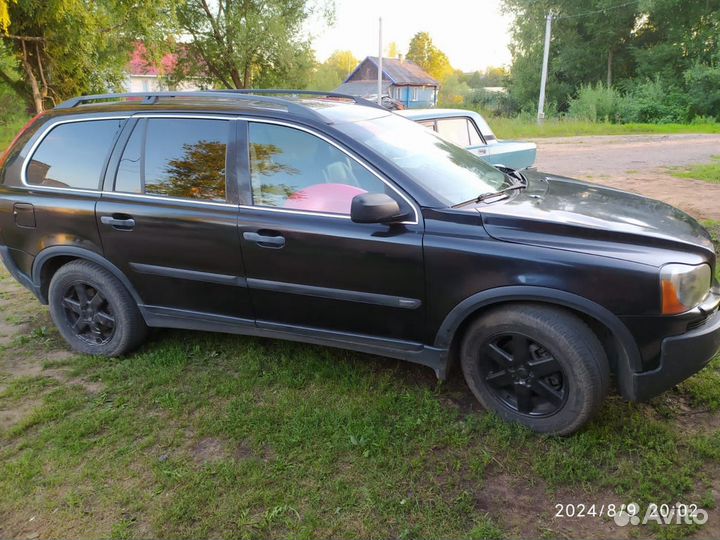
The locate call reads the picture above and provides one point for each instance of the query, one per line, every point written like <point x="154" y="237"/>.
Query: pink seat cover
<point x="332" y="198"/>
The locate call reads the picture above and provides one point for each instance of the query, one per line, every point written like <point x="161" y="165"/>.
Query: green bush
<point x="653" y="101"/>
<point x="494" y="103"/>
<point x="703" y="90"/>
<point x="597" y="103"/>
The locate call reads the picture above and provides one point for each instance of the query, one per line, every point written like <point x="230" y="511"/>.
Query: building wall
<point x="366" y="72"/>
<point x="153" y="83"/>
<point x="415" y="97"/>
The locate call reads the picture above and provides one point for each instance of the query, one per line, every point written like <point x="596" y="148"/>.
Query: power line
<point x="594" y="12"/>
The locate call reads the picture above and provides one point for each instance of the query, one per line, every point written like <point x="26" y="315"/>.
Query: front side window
<point x="293" y="169"/>
<point x="175" y="157"/>
<point x="72" y="155"/>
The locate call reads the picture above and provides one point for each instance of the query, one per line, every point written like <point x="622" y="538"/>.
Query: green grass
<point x="707" y="172"/>
<point x="207" y="435"/>
<point x="520" y="128"/>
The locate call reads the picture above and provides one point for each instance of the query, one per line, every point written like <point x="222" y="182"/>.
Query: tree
<point x="69" y="47"/>
<point x="590" y="44"/>
<point x="331" y="73"/>
<point x="429" y="57"/>
<point x="454" y="90"/>
<point x="243" y="43"/>
<point x="393" y="50"/>
<point x="4" y="15"/>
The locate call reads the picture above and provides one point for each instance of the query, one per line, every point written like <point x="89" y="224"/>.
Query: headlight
<point x="683" y="286"/>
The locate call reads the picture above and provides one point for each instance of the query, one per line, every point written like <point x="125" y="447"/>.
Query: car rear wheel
<point x="93" y="311"/>
<point x="536" y="365"/>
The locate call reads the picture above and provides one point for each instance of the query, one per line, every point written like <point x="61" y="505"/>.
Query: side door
<point x="168" y="215"/>
<point x="308" y="265"/>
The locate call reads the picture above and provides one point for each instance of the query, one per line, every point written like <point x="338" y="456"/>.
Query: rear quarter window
<point x="72" y="155"/>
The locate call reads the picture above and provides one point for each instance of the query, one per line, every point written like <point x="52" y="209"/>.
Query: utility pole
<point x="543" y="77"/>
<point x="380" y="53"/>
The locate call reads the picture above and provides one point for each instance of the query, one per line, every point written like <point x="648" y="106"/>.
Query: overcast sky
<point x="473" y="33"/>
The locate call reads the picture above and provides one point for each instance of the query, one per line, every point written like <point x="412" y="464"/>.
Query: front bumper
<point x="681" y="356"/>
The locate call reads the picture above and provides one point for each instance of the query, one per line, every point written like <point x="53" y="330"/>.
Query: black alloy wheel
<point x="523" y="375"/>
<point x="88" y="313"/>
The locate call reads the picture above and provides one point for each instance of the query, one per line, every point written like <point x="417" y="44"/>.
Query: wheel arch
<point x="50" y="259"/>
<point x="613" y="334"/>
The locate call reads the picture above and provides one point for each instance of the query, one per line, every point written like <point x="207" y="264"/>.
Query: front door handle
<point x="120" y="222"/>
<point x="263" y="240"/>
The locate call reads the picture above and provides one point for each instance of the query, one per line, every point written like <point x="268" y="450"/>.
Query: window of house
<point x="72" y="155"/>
<point x="175" y="157"/>
<point x="293" y="169"/>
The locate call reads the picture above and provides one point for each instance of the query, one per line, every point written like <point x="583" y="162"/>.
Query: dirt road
<point x="638" y="163"/>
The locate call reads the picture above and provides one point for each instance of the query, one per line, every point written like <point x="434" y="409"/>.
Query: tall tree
<point x="393" y="51"/>
<point x="70" y="47"/>
<point x="331" y="73"/>
<point x="425" y="54"/>
<point x="590" y="43"/>
<point x="243" y="43"/>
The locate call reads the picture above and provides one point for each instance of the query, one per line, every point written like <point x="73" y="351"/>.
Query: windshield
<point x="450" y="173"/>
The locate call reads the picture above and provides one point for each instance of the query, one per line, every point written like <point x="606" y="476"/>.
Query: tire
<point x="104" y="320"/>
<point x="536" y="365"/>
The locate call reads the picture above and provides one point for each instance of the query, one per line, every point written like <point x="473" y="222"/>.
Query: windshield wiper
<point x="491" y="194"/>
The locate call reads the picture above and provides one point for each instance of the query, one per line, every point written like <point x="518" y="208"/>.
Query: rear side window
<point x="72" y="155"/>
<point x="175" y="157"/>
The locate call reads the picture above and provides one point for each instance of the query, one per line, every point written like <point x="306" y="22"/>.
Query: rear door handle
<point x="122" y="223"/>
<point x="263" y="240"/>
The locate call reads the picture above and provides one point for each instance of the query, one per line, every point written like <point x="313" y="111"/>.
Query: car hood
<point x="569" y="214"/>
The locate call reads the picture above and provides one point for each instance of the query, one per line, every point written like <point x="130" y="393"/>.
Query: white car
<point x="470" y="130"/>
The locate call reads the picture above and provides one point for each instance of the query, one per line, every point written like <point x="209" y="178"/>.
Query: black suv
<point x="333" y="221"/>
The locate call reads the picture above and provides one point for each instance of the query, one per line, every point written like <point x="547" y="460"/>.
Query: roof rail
<point x="259" y="91"/>
<point x="149" y="98"/>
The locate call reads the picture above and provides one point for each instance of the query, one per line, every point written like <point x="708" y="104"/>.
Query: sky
<point x="473" y="33"/>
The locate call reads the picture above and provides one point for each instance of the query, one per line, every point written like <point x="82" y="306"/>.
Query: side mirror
<point x="375" y="208"/>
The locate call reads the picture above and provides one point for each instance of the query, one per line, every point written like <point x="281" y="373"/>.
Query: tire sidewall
<point x="582" y="398"/>
<point x="72" y="274"/>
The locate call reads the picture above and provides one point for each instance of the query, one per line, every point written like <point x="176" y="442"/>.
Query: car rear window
<point x="175" y="157"/>
<point x="72" y="155"/>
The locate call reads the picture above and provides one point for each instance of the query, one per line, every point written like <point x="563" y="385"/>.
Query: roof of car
<point x="424" y="114"/>
<point x="327" y="108"/>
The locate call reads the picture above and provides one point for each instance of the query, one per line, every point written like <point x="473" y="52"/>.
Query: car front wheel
<point x="93" y="311"/>
<point x="537" y="365"/>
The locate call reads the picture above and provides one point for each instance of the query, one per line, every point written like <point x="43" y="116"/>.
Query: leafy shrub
<point x="703" y="90"/>
<point x="595" y="103"/>
<point x="495" y="103"/>
<point x="453" y="91"/>
<point x="653" y="101"/>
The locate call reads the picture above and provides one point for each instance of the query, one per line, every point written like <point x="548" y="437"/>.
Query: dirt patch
<point x="13" y="416"/>
<point x="640" y="164"/>
<point x="526" y="509"/>
<point x="209" y="450"/>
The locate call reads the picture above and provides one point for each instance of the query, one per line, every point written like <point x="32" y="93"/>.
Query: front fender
<point x="629" y="361"/>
